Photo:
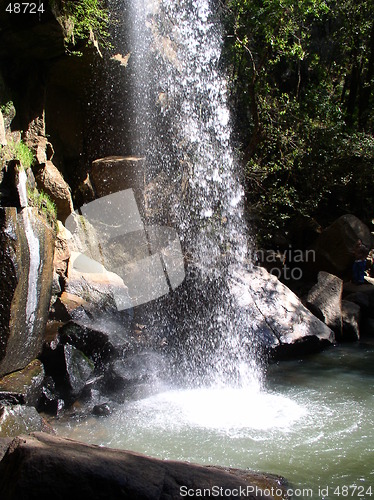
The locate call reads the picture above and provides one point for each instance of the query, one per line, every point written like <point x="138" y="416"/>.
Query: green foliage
<point x="17" y="150"/>
<point x="302" y="76"/>
<point x="85" y="20"/>
<point x="44" y="204"/>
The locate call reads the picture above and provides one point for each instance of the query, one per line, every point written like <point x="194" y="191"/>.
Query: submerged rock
<point x="64" y="466"/>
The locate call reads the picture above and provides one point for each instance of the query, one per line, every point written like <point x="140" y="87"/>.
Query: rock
<point x="50" y="181"/>
<point x="134" y="369"/>
<point x="102" y="410"/>
<point x="361" y="299"/>
<point x="286" y="327"/>
<point x="20" y="419"/>
<point x="99" y="345"/>
<point x="69" y="368"/>
<point x="62" y="251"/>
<point x="63" y="466"/>
<point x="99" y="287"/>
<point x="334" y="246"/>
<point x="351" y="321"/>
<point x="25" y="285"/>
<point x="115" y="173"/>
<point x="50" y="402"/>
<point x="324" y="301"/>
<point x="68" y="306"/>
<point x="44" y="150"/>
<point x="27" y="382"/>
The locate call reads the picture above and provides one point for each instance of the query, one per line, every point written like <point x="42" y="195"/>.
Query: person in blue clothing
<point x="359" y="266"/>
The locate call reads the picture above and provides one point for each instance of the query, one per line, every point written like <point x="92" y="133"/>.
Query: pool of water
<point x="312" y="424"/>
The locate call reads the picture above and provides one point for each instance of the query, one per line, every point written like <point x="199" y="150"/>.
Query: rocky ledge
<point x="40" y="465"/>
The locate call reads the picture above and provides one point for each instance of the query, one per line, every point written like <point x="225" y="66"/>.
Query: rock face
<point x="115" y="173"/>
<point x="334" y="247"/>
<point x="41" y="463"/>
<point x="287" y="327"/>
<point x="50" y="181"/>
<point x="26" y="256"/>
<point x="325" y="301"/>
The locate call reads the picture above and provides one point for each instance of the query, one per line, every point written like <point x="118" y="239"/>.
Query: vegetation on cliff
<point x="83" y="20"/>
<point x="302" y="84"/>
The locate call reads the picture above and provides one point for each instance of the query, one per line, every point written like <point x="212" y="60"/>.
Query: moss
<point x="17" y="150"/>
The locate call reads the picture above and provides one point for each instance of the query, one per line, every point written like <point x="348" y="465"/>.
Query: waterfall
<point x="181" y="125"/>
<point x="34" y="255"/>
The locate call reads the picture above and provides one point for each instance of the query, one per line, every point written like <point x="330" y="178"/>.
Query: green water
<point x="314" y="424"/>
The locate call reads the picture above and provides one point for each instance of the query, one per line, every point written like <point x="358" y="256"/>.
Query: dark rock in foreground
<point x="41" y="466"/>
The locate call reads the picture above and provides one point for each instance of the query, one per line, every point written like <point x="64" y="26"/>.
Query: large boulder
<point x="116" y="173"/>
<point x="325" y="301"/>
<point x="100" y="288"/>
<point x="26" y="256"/>
<point x="42" y="464"/>
<point x="287" y="328"/>
<point x="334" y="246"/>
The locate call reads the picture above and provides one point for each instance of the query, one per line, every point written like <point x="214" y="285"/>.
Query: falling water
<point x="34" y="255"/>
<point x="183" y="129"/>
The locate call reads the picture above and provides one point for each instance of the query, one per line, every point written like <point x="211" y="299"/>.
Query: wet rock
<point x="334" y="246"/>
<point x="78" y="369"/>
<point x="24" y="297"/>
<point x="27" y="383"/>
<point x="102" y="410"/>
<point x="19" y="419"/>
<point x="68" y="306"/>
<point x="64" y="466"/>
<point x="324" y="301"/>
<point x="351" y="321"/>
<point x="50" y="181"/>
<point x="50" y="402"/>
<point x="69" y="368"/>
<point x="285" y="327"/>
<point x="98" y="345"/>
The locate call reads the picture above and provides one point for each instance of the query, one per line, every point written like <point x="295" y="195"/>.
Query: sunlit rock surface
<point x="285" y="325"/>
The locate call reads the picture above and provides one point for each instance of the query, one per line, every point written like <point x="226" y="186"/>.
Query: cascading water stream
<point x="34" y="255"/>
<point x="183" y="130"/>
